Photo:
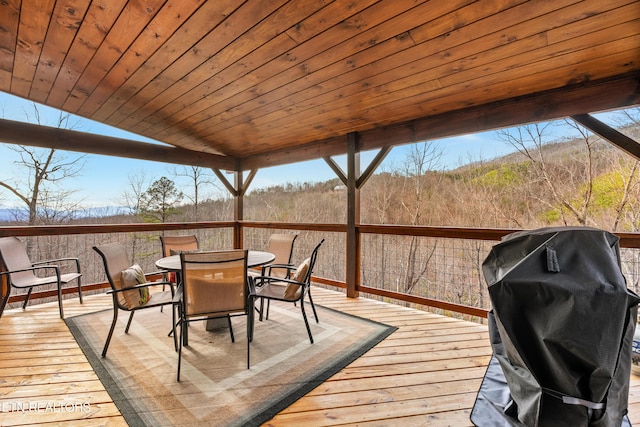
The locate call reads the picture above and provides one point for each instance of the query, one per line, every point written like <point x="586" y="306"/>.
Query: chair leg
<point x="250" y="317"/>
<point x="26" y="299"/>
<point x="251" y="322"/>
<point x="113" y="326"/>
<point x="313" y="307"/>
<point x="268" y="306"/>
<point x="173" y="327"/>
<point x="165" y="277"/>
<point x="182" y="322"/>
<point x="230" y="328"/>
<point x="5" y="300"/>
<point x="172" y="332"/>
<point x="306" y="322"/>
<point x="126" y="330"/>
<point x="80" y="289"/>
<point x="60" y="299"/>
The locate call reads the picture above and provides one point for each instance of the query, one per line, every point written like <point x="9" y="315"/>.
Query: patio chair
<point x="290" y="290"/>
<point x="214" y="285"/>
<point x="174" y="245"/>
<point x="280" y="245"/>
<point x="129" y="288"/>
<point x="21" y="272"/>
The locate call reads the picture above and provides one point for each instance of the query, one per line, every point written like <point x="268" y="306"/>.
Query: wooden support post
<point x="238" y="190"/>
<point x="238" y="210"/>
<point x="353" y="215"/>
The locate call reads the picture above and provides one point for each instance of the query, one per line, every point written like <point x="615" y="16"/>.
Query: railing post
<point x="238" y="210"/>
<point x="353" y="216"/>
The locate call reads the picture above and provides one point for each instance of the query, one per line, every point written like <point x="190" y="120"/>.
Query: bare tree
<point x="133" y="194"/>
<point x="199" y="178"/>
<point x="134" y="200"/>
<point x="42" y="192"/>
<point x="567" y="177"/>
<point x="626" y="212"/>
<point x="380" y="198"/>
<point x="422" y="158"/>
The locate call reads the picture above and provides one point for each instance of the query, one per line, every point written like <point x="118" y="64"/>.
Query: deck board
<point x="425" y="373"/>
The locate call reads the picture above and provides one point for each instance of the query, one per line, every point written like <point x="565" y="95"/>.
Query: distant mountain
<point x="102" y="211"/>
<point x="16" y="214"/>
<point x="11" y="214"/>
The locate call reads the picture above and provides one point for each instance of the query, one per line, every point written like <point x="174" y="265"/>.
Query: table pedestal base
<point x="213" y="325"/>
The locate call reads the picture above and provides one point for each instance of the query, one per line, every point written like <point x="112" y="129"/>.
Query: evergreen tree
<point x="160" y="201"/>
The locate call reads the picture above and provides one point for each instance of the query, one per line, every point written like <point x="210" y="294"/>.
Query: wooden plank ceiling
<point x="267" y="82"/>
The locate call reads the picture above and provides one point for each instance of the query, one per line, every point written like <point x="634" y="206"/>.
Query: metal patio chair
<point x="21" y="272"/>
<point x="126" y="297"/>
<point x="280" y="245"/>
<point x="291" y="289"/>
<point x="214" y="285"/>
<point x="174" y="245"/>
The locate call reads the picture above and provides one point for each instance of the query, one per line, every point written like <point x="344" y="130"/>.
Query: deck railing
<point x="436" y="267"/>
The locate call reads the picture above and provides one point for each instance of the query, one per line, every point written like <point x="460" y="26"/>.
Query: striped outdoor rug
<point x="216" y="388"/>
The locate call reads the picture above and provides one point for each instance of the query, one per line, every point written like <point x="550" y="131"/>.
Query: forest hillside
<point x="582" y="181"/>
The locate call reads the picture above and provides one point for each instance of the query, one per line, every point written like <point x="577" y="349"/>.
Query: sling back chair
<point x="173" y="245"/>
<point x="129" y="288"/>
<point x="214" y="285"/>
<point x="289" y="289"/>
<point x="21" y="272"/>
<point x="281" y="246"/>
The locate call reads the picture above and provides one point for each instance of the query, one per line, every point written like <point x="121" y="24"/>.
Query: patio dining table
<point x="254" y="259"/>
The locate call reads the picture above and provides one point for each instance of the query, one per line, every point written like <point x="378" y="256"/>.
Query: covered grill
<point x="561" y="329"/>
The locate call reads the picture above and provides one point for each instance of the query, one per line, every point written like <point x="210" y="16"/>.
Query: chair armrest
<point x="34" y="268"/>
<point x="281" y="265"/>
<point x="156" y="272"/>
<point x="177" y="298"/>
<point x="276" y="279"/>
<point x="49" y="261"/>
<point x="141" y="285"/>
<point x="161" y="282"/>
<point x="266" y="270"/>
<point x="252" y="286"/>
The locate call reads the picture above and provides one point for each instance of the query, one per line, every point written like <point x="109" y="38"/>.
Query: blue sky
<point x="104" y="178"/>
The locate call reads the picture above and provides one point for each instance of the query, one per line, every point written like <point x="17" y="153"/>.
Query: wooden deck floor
<point x="426" y="373"/>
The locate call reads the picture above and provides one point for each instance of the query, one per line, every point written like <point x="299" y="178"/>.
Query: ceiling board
<point x="287" y="80"/>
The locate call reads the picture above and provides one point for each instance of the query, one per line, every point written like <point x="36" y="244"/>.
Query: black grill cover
<point x="561" y="329"/>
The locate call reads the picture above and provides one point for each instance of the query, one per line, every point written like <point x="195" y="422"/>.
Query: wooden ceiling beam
<point x="334" y="146"/>
<point x="600" y="95"/>
<point x="620" y="140"/>
<point x="12" y="132"/>
<point x="607" y="94"/>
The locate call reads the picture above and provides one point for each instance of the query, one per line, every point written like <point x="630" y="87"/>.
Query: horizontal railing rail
<point x="60" y="230"/>
<point x="254" y="233"/>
